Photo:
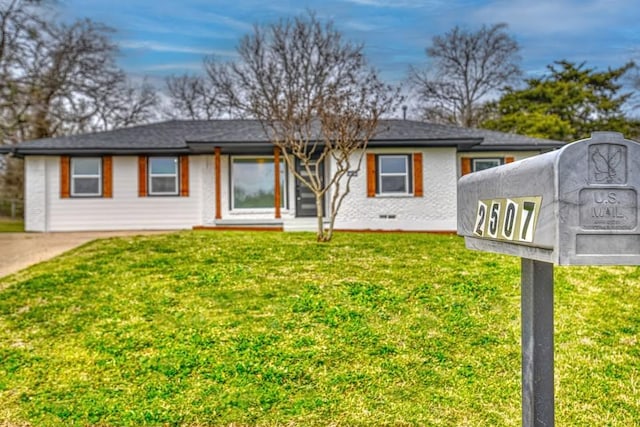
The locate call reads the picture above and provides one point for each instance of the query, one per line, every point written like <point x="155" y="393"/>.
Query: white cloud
<point x="598" y="32"/>
<point x="178" y="66"/>
<point x="150" y="26"/>
<point x="396" y="4"/>
<point x="359" y="26"/>
<point x="163" y="47"/>
<point x="223" y="20"/>
<point x="549" y="17"/>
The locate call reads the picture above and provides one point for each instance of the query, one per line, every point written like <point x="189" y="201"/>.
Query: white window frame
<point x="498" y="160"/>
<point x="176" y="177"/>
<point x="284" y="187"/>
<point x="74" y="176"/>
<point x="406" y="174"/>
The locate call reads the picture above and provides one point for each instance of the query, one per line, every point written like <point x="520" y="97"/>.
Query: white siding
<point x="36" y="193"/>
<point x="46" y="211"/>
<point x="208" y="189"/>
<point x="125" y="210"/>
<point x="435" y="211"/>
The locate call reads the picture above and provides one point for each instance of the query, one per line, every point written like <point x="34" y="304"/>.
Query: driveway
<point x="20" y="250"/>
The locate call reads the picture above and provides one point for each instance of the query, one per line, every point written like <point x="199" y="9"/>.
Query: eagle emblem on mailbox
<point x="607" y="164"/>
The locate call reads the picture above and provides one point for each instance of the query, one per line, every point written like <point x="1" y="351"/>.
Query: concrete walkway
<point x="20" y="250"/>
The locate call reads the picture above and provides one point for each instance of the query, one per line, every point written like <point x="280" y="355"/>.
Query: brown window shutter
<point x="371" y="175"/>
<point x="107" y="176"/>
<point x="184" y="176"/>
<point x="142" y="176"/>
<point x="509" y="159"/>
<point x="417" y="175"/>
<point x="65" y="173"/>
<point x="465" y="166"/>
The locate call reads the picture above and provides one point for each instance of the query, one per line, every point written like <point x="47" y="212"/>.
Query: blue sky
<point x="163" y="37"/>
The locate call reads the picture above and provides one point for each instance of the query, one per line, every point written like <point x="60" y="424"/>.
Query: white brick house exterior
<point x="180" y="175"/>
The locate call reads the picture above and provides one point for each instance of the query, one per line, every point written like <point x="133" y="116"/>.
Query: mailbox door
<point x="598" y="213"/>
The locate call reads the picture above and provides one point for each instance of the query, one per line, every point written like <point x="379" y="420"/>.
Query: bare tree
<point x="192" y="97"/>
<point x="126" y="104"/>
<point x="61" y="79"/>
<point x="467" y="67"/>
<point x="18" y="28"/>
<point x="58" y="79"/>
<point x="75" y="85"/>
<point x="316" y="98"/>
<point x="349" y="119"/>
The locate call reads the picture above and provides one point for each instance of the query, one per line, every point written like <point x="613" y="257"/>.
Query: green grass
<point x="8" y="225"/>
<point x="213" y="328"/>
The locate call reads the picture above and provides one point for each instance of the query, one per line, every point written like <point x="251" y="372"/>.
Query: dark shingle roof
<point x="183" y="135"/>
<point x="501" y="140"/>
<point x="157" y="136"/>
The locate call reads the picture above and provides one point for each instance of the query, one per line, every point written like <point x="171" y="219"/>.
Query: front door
<point x="305" y="199"/>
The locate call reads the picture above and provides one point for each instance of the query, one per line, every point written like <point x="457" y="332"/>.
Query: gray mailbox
<point x="574" y="206"/>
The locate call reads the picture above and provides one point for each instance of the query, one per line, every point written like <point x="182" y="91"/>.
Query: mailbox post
<point x="574" y="206"/>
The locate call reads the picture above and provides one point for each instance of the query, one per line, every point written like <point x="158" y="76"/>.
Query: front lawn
<point x="215" y="328"/>
<point x="8" y="225"/>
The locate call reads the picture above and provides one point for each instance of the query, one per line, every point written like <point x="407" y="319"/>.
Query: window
<point x="163" y="176"/>
<point x="394" y="174"/>
<point x="86" y="176"/>
<point x="482" y="164"/>
<point x="397" y="174"/>
<point x="469" y="164"/>
<point x="253" y="183"/>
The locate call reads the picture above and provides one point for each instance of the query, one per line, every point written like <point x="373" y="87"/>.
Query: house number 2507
<point x="510" y="219"/>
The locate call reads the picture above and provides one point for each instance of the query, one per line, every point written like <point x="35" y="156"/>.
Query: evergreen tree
<point x="568" y="104"/>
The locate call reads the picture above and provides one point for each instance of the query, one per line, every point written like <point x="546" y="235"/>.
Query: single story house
<point x="221" y="173"/>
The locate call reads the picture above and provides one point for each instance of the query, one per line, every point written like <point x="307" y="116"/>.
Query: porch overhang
<point x="230" y="147"/>
<point x="266" y="147"/>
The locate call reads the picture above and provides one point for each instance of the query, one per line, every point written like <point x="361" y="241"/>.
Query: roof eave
<point x="516" y="147"/>
<point x="96" y="151"/>
<point x="459" y="143"/>
<point x="452" y="142"/>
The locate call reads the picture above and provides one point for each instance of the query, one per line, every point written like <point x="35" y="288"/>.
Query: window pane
<point x="253" y="183"/>
<point x="83" y="166"/>
<point x="163" y="184"/>
<point x="88" y="186"/>
<point x="283" y="184"/>
<point x="163" y="165"/>
<point x="482" y="164"/>
<point x="393" y="184"/>
<point x="393" y="164"/>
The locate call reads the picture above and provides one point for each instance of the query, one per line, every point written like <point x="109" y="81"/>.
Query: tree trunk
<point x="320" y="217"/>
<point x="329" y="230"/>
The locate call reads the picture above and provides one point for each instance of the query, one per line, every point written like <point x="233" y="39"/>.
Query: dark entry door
<point x="305" y="199"/>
